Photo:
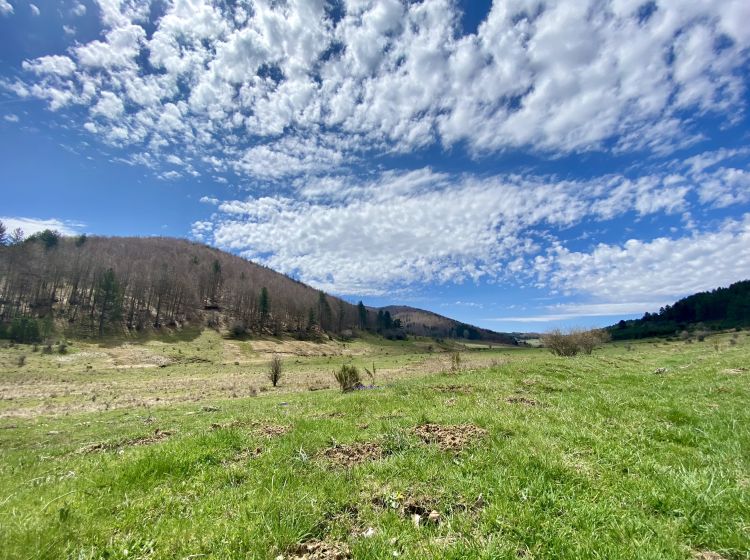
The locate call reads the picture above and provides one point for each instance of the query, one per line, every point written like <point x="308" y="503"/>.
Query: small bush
<point x="574" y="341"/>
<point x="62" y="348"/>
<point x="21" y="361"/>
<point x="560" y="344"/>
<point x="238" y="329"/>
<point x="274" y="370"/>
<point x="347" y="377"/>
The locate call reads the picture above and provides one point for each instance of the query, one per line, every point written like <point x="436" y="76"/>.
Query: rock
<point x="434" y="517"/>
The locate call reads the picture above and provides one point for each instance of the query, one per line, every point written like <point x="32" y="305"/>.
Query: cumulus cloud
<point x="662" y="267"/>
<point x="34" y="225"/>
<point x="35" y="11"/>
<point x="401" y="228"/>
<point x="556" y="77"/>
<point x="11" y="118"/>
<point x="6" y="8"/>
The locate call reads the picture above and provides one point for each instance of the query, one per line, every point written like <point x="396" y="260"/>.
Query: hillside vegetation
<point x="638" y="451"/>
<point x="427" y="323"/>
<point x="722" y="308"/>
<point x="98" y="286"/>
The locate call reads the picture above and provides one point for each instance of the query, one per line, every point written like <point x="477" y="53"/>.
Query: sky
<point x="519" y="165"/>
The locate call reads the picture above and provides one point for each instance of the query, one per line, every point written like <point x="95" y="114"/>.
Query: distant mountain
<point x="426" y="323"/>
<point x="722" y="308"/>
<point x="92" y="286"/>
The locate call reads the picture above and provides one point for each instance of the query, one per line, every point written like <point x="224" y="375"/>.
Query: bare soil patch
<point x="353" y="454"/>
<point x="272" y="430"/>
<point x="317" y="550"/>
<point x="156" y="437"/>
<point x="734" y="371"/>
<point x="449" y="438"/>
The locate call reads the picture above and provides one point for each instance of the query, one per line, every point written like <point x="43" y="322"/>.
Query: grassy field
<point x="638" y="451"/>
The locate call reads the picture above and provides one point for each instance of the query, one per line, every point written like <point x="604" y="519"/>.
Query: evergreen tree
<point x="264" y="306"/>
<point x="108" y="301"/>
<point x="362" y="315"/>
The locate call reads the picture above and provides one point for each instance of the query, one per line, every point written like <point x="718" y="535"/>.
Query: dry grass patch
<point x="450" y="438"/>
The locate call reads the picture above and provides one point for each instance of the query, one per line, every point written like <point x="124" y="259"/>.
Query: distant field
<point x="200" y="366"/>
<point x="638" y="451"/>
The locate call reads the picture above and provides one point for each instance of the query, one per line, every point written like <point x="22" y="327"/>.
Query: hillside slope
<point x="91" y="286"/>
<point x="426" y="323"/>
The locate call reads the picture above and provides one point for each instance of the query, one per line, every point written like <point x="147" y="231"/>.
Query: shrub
<point x="62" y="348"/>
<point x="588" y="340"/>
<point x="24" y="330"/>
<point x="274" y="370"/>
<point x="238" y="329"/>
<point x="561" y="344"/>
<point x="347" y="377"/>
<point x="21" y="360"/>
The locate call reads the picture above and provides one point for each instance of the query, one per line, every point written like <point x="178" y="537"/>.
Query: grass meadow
<point x="638" y="451"/>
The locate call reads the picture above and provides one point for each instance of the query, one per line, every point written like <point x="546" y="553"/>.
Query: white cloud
<point x="79" y="10"/>
<point x="557" y="77"/>
<point x="360" y="236"/>
<point x="54" y="64"/>
<point x="34" y="225"/>
<point x="11" y="118"/>
<point x="34" y="10"/>
<point x="6" y="8"/>
<point x="663" y="267"/>
<point x="109" y="106"/>
<point x="568" y="312"/>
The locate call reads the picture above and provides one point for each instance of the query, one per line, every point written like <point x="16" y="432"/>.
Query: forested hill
<point x="427" y="323"/>
<point x="93" y="286"/>
<point x="722" y="308"/>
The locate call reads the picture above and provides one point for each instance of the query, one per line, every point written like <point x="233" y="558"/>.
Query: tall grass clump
<point x="347" y="377"/>
<point x="274" y="370"/>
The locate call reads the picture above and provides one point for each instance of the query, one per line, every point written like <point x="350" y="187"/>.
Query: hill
<point x="722" y="308"/>
<point x="426" y="323"/>
<point x="92" y="286"/>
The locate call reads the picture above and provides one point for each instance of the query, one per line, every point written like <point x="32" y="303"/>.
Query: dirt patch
<point x="734" y="371"/>
<point x="272" y="430"/>
<point x="354" y="454"/>
<point x="521" y="400"/>
<point x="156" y="437"/>
<point x="456" y="389"/>
<point x="449" y="438"/>
<point x="317" y="550"/>
<point x="425" y="509"/>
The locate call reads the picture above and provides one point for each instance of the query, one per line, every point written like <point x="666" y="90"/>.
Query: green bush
<point x="25" y="330"/>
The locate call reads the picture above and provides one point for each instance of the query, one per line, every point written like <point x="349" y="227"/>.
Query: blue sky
<point x="519" y="165"/>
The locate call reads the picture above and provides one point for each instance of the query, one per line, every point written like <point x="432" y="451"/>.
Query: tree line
<point x="722" y="308"/>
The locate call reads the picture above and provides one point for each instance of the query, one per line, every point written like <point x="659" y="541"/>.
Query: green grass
<point x="613" y="461"/>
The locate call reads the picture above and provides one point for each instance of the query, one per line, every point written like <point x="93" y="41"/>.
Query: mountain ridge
<point x="90" y="286"/>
